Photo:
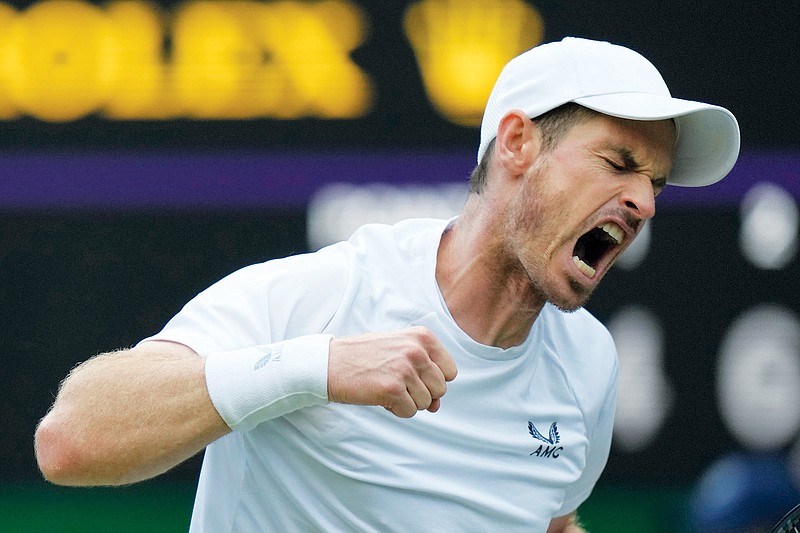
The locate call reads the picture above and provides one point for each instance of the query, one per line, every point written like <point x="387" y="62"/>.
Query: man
<point x="278" y="370"/>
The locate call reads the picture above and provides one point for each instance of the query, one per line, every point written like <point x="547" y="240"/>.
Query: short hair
<point x="553" y="126"/>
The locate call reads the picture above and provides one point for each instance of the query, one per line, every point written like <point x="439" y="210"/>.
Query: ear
<point x="517" y="142"/>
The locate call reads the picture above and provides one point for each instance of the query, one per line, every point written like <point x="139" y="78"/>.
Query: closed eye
<point x="630" y="166"/>
<point x="615" y="166"/>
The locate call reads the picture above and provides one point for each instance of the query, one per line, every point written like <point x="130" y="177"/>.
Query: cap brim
<point x="708" y="135"/>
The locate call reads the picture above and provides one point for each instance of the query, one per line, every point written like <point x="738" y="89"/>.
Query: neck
<point x="488" y="294"/>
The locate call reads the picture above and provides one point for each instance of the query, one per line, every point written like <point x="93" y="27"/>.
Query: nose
<point x="639" y="198"/>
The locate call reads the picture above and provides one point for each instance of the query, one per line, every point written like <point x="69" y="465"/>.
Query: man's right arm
<point x="126" y="416"/>
<point x="130" y="415"/>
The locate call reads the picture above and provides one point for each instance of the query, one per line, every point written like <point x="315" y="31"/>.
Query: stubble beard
<point x="525" y="213"/>
<point x="581" y="292"/>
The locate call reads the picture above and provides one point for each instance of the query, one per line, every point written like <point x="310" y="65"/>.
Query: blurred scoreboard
<point x="228" y="73"/>
<point x="330" y="62"/>
<point x="131" y="59"/>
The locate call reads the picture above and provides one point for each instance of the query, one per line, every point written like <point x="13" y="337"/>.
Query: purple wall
<point x="252" y="180"/>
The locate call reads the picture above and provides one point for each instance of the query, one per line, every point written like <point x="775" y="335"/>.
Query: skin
<point x="511" y="250"/>
<point x="512" y="247"/>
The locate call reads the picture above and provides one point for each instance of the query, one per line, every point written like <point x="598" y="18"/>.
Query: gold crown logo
<point x="462" y="45"/>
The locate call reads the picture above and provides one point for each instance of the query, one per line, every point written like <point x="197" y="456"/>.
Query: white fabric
<point x="619" y="82"/>
<point x="472" y="466"/>
<point x="251" y="385"/>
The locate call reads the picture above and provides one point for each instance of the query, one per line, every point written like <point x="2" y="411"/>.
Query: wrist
<point x="251" y="385"/>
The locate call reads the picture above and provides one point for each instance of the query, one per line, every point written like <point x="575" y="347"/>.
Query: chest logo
<point x="550" y="449"/>
<point x="552" y="439"/>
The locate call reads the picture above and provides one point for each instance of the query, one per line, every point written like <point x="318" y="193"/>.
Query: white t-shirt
<point x="521" y="437"/>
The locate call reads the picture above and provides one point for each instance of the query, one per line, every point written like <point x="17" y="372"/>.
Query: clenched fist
<point x="404" y="371"/>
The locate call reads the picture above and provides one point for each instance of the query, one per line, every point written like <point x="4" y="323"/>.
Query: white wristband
<point x="252" y="385"/>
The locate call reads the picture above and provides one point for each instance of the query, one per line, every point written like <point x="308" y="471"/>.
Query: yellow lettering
<point x="311" y="43"/>
<point x="214" y="57"/>
<point x="265" y="92"/>
<point x="140" y="87"/>
<point x="58" y="65"/>
<point x="462" y="45"/>
<point x="235" y="59"/>
<point x="63" y="59"/>
<point x="8" y="108"/>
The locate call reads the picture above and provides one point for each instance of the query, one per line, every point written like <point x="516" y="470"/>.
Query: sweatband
<point x="251" y="385"/>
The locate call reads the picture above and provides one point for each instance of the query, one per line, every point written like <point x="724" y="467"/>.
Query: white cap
<point x="619" y="82"/>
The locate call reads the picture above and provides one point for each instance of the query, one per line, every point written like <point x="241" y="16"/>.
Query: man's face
<point x="580" y="205"/>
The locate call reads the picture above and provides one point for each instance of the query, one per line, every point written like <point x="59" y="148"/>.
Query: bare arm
<point x="126" y="416"/>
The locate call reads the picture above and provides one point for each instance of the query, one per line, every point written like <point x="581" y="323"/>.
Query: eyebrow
<point x="628" y="160"/>
<point x="630" y="164"/>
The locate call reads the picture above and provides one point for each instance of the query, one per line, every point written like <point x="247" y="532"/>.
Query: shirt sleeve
<point x="594" y="368"/>
<point x="599" y="448"/>
<point x="264" y="303"/>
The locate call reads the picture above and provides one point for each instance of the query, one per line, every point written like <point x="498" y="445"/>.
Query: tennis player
<point x="497" y="388"/>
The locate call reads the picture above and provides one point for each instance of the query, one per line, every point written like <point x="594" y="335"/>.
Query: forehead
<point x="651" y="142"/>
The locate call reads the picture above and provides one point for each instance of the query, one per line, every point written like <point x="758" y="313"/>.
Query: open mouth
<point x="594" y="245"/>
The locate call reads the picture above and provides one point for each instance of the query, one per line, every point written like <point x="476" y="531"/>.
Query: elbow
<point x="57" y="454"/>
<point x="66" y="456"/>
